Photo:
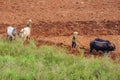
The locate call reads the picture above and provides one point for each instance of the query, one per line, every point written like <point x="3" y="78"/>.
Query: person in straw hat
<point x="29" y="23"/>
<point x="74" y="39"/>
<point x="26" y="31"/>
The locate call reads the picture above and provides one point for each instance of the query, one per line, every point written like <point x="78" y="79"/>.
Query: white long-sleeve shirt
<point x="10" y="30"/>
<point x="25" y="32"/>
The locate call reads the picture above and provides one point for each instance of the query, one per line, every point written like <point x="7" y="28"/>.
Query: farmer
<point x="11" y="33"/>
<point x="26" y="31"/>
<point x="74" y="39"/>
<point x="29" y="23"/>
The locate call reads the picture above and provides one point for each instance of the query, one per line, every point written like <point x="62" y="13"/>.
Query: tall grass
<point x="27" y="62"/>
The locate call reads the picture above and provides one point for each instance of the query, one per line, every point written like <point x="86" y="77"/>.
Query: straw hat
<point x="75" y="33"/>
<point x="30" y="20"/>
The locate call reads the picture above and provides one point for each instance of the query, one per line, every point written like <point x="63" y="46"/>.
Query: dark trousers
<point x="73" y="44"/>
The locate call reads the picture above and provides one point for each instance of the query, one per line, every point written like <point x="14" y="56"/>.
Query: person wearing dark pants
<point x="73" y="44"/>
<point x="74" y="39"/>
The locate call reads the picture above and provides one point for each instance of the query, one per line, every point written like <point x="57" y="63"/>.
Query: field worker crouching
<point x="74" y="39"/>
<point x="29" y="23"/>
<point x="11" y="33"/>
<point x="25" y="32"/>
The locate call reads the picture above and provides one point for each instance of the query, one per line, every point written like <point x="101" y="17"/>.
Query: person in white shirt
<point x="25" y="32"/>
<point x="11" y="33"/>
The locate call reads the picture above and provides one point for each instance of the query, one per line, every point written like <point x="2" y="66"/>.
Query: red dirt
<point x="18" y="11"/>
<point x="54" y="21"/>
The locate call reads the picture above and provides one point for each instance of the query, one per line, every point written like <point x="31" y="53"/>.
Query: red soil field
<point x="54" y="21"/>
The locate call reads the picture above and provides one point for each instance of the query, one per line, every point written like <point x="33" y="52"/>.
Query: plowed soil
<point x="54" y="21"/>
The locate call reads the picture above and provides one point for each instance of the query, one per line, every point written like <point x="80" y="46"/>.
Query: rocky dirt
<point x="54" y="21"/>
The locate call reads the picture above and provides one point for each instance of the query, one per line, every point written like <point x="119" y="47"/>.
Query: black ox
<point x="101" y="45"/>
<point x="101" y="40"/>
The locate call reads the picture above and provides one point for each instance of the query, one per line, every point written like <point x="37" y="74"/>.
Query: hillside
<point x="19" y="11"/>
<point x="56" y="20"/>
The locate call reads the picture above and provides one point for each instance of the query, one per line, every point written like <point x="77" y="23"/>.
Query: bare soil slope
<point x="54" y="21"/>
<point x="18" y="11"/>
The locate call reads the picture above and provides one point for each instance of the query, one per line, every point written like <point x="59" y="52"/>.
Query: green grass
<point x="19" y="62"/>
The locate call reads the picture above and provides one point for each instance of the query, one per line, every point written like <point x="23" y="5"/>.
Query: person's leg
<point x="10" y="38"/>
<point x="72" y="44"/>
